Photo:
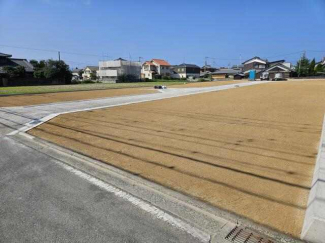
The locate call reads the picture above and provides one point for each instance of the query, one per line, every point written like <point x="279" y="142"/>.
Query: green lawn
<point x="78" y="87"/>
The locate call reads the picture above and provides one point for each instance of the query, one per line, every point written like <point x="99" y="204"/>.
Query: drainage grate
<point x="241" y="235"/>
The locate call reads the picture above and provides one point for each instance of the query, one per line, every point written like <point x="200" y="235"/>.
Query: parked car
<point x="160" y="87"/>
<point x="279" y="77"/>
<point x="265" y="76"/>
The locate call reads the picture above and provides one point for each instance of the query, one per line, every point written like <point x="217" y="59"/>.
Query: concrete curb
<point x="314" y="224"/>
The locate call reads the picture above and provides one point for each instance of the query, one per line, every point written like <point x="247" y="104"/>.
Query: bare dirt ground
<point x="36" y="99"/>
<point x="250" y="150"/>
<point x="208" y="84"/>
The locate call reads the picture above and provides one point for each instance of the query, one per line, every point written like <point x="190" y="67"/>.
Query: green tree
<point x="57" y="70"/>
<point x="38" y="68"/>
<point x="302" y="67"/>
<point x="312" y="67"/>
<point x="93" y="76"/>
<point x="80" y="73"/>
<point x="14" y="72"/>
<point x="319" y="69"/>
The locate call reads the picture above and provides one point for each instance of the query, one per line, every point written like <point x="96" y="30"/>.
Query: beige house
<point x="154" y="68"/>
<point x="88" y="71"/>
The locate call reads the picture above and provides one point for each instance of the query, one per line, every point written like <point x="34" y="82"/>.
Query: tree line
<point x="305" y="67"/>
<point x="45" y="72"/>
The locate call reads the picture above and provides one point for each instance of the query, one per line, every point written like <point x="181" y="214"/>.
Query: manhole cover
<point x="241" y="235"/>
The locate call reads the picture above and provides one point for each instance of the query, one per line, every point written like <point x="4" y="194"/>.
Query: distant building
<point x="208" y="68"/>
<point x="76" y="73"/>
<point x="109" y="71"/>
<point x="224" y="73"/>
<point x="283" y="68"/>
<point x="90" y="70"/>
<point x="255" y="63"/>
<point x="264" y="66"/>
<point x="186" y="71"/>
<point x="156" y="68"/>
<point x="7" y="60"/>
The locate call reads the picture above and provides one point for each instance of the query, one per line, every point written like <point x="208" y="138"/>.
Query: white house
<point x="156" y="67"/>
<point x="88" y="71"/>
<point x="109" y="71"/>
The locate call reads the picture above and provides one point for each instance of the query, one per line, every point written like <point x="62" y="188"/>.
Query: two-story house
<point x="185" y="70"/>
<point x="110" y="71"/>
<point x="156" y="68"/>
<point x="89" y="71"/>
<point x="255" y="63"/>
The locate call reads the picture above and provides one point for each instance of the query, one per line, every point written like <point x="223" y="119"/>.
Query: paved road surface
<point x="42" y="202"/>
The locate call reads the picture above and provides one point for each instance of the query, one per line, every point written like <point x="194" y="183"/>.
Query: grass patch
<point x="79" y="87"/>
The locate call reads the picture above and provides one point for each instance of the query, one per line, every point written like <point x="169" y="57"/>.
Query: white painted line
<point x="154" y="211"/>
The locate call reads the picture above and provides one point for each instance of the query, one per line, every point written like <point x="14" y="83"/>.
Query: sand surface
<point x="250" y="150"/>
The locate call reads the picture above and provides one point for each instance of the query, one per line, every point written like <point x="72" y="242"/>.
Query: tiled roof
<point x="5" y="55"/>
<point x="161" y="62"/>
<point x="24" y="63"/>
<point x="226" y="71"/>
<point x="93" y="68"/>
<point x="188" y="65"/>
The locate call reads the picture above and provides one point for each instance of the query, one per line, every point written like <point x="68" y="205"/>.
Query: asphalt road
<point x="42" y="202"/>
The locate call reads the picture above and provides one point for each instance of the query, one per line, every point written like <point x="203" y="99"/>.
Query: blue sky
<point x="178" y="31"/>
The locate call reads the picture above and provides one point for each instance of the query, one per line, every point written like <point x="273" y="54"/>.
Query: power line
<point x="49" y="50"/>
<point x="287" y="54"/>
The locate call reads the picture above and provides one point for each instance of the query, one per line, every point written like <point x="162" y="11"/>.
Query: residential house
<point x="206" y="70"/>
<point x="156" y="68"/>
<point x="255" y="63"/>
<point x="185" y="70"/>
<point x="89" y="71"/>
<point x="110" y="71"/>
<point x="224" y="74"/>
<point x="76" y="73"/>
<point x="7" y="60"/>
<point x="260" y="66"/>
<point x="284" y="68"/>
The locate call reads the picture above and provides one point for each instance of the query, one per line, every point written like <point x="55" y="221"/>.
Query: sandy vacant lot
<point x="249" y="150"/>
<point x="36" y="99"/>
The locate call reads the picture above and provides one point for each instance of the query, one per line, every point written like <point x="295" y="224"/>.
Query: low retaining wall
<point x="314" y="224"/>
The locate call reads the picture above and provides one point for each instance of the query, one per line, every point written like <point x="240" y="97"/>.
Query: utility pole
<point x="59" y="55"/>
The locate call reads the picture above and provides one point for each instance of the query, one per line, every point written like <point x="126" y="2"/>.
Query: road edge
<point x="215" y="222"/>
<point x="314" y="223"/>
